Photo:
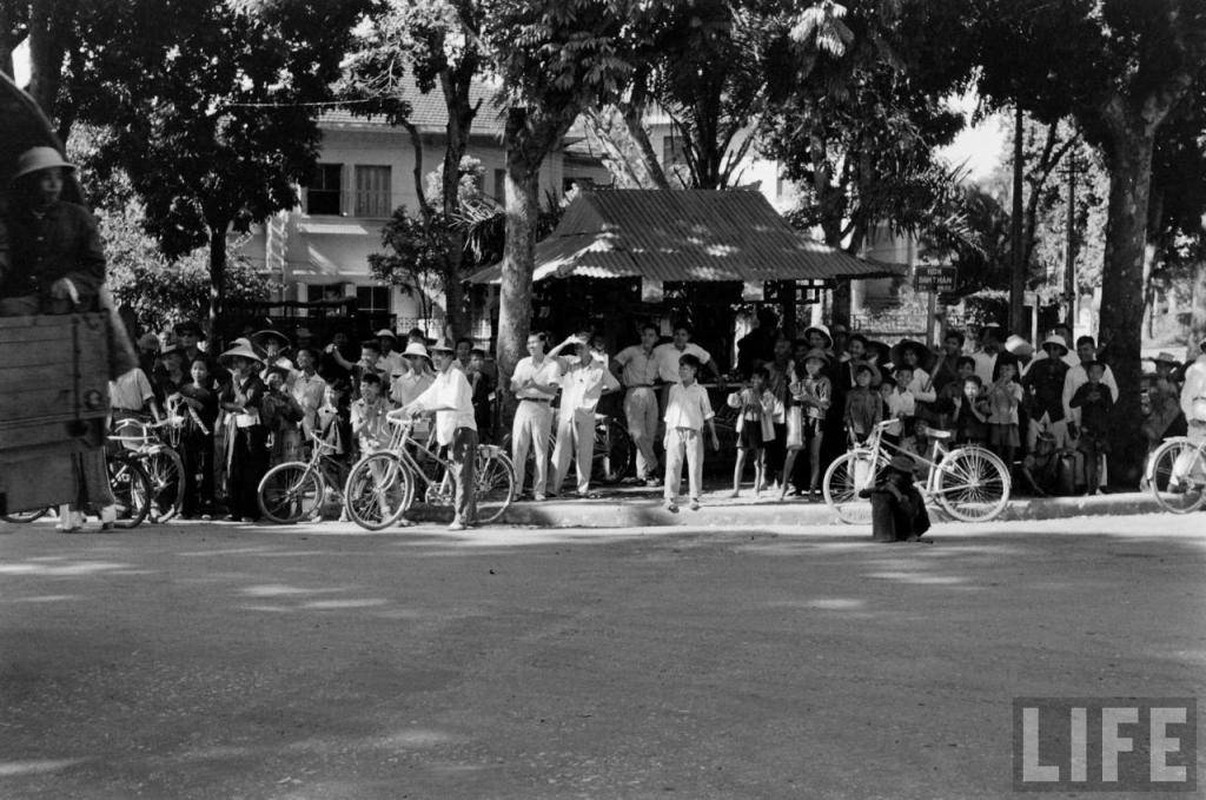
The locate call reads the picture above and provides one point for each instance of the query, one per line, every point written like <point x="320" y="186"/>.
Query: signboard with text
<point x="934" y="279"/>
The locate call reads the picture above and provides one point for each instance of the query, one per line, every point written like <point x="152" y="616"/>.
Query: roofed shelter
<point x="694" y="254"/>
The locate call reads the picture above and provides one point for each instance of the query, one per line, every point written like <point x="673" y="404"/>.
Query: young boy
<point x="368" y="416"/>
<point x="864" y="406"/>
<point x="758" y="410"/>
<point x="1096" y="402"/>
<point x="687" y="410"/>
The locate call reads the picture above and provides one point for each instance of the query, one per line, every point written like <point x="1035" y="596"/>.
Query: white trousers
<point x="640" y="407"/>
<point x="533" y="421"/>
<point x="684" y="442"/>
<point x="576" y="436"/>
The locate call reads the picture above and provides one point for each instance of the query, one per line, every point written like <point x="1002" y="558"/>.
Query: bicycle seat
<point x="935" y="433"/>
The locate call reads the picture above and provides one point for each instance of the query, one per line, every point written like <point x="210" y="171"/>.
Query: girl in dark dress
<point x="247" y="454"/>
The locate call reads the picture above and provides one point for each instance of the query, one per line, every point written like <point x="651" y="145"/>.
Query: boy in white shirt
<point x="687" y="410"/>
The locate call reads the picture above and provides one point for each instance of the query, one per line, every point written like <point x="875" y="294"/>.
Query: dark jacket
<point x="61" y="243"/>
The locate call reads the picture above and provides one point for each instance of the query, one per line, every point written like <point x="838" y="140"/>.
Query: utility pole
<point x="1017" y="281"/>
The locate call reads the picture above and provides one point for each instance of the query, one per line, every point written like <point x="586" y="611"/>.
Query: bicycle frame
<point x="878" y="449"/>
<point x="400" y="445"/>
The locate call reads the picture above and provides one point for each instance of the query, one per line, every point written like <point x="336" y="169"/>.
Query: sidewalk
<point x="619" y="507"/>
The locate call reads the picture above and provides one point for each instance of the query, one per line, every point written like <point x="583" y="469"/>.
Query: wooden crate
<point x="54" y="398"/>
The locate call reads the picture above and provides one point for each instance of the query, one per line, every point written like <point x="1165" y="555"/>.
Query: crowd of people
<point x="796" y="402"/>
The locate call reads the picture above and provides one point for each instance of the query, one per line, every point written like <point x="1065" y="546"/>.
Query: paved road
<point x="236" y="662"/>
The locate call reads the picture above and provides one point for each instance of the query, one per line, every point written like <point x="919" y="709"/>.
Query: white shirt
<point x="915" y="387"/>
<point x="452" y="398"/>
<point x="985" y="363"/>
<point x="582" y="386"/>
<point x="688" y="407"/>
<point x="899" y="404"/>
<point x="549" y="372"/>
<point x="403" y="389"/>
<point x="667" y="356"/>
<point x="1076" y="378"/>
<point x="639" y="368"/>
<point x="308" y="391"/>
<point x="131" y="391"/>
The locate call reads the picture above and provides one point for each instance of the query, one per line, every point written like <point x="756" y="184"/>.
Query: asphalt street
<point x="227" y="661"/>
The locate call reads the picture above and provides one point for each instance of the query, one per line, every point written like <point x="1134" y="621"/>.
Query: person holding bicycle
<point x="450" y="399"/>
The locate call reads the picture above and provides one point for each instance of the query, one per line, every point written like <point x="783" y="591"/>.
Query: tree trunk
<point x="1121" y="319"/>
<point x="49" y="29"/>
<point x="1017" y="278"/>
<point x="217" y="283"/>
<point x="461" y="114"/>
<point x="519" y="253"/>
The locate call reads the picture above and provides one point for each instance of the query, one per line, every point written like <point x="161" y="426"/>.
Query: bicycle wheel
<point x="131" y="492"/>
<point x="495" y="481"/>
<point x="613" y="454"/>
<point x="972" y="484"/>
<point x="379" y="490"/>
<point x="1177" y="476"/>
<point x="290" y="492"/>
<point x="846" y="477"/>
<point x="165" y="468"/>
<point x="22" y="517"/>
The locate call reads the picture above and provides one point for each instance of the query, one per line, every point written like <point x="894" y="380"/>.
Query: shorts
<point x="1004" y="435"/>
<point x="750" y="437"/>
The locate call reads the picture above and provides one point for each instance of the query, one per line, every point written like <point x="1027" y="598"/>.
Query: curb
<point x="646" y="513"/>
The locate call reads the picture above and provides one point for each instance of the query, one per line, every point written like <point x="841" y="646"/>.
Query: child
<point x="864" y="406"/>
<point x="687" y="410"/>
<point x="281" y="415"/>
<point x="334" y="418"/>
<point x="814" y="393"/>
<point x="482" y="387"/>
<point x="952" y="391"/>
<point x="1003" y="398"/>
<point x="368" y="416"/>
<point x="200" y="398"/>
<point x="971" y="412"/>
<point x="900" y="406"/>
<point x="1096" y="402"/>
<point x="755" y="425"/>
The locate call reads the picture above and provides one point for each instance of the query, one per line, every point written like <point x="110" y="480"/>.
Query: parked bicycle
<point x="970" y="482"/>
<point x="297" y="490"/>
<point x="384" y="485"/>
<point x="156" y="444"/>
<point x="1176" y="475"/>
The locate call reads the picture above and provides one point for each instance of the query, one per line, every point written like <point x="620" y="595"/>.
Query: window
<point x="500" y="186"/>
<point x="324" y="191"/>
<point x="373" y="299"/>
<point x="372" y="192"/>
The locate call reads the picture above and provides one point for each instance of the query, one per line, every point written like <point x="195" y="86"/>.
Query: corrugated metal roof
<point x="428" y="112"/>
<point x="686" y="235"/>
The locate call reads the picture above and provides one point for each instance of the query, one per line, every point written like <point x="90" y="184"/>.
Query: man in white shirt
<point x="637" y="368"/>
<point x="308" y="388"/>
<point x="132" y="393"/>
<point x="451" y="399"/>
<point x="986" y="356"/>
<point x="535" y="383"/>
<point x="667" y="355"/>
<point x="583" y="382"/>
<point x="391" y="359"/>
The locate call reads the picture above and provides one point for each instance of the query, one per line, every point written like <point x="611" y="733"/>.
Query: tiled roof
<point x="428" y="112"/>
<point x="686" y="235"/>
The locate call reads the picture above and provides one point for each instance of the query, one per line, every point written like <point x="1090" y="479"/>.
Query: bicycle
<point x="129" y="483"/>
<point x="1176" y="474"/>
<point x="382" y="486"/>
<point x="298" y="490"/>
<point x="970" y="482"/>
<point x="156" y="444"/>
